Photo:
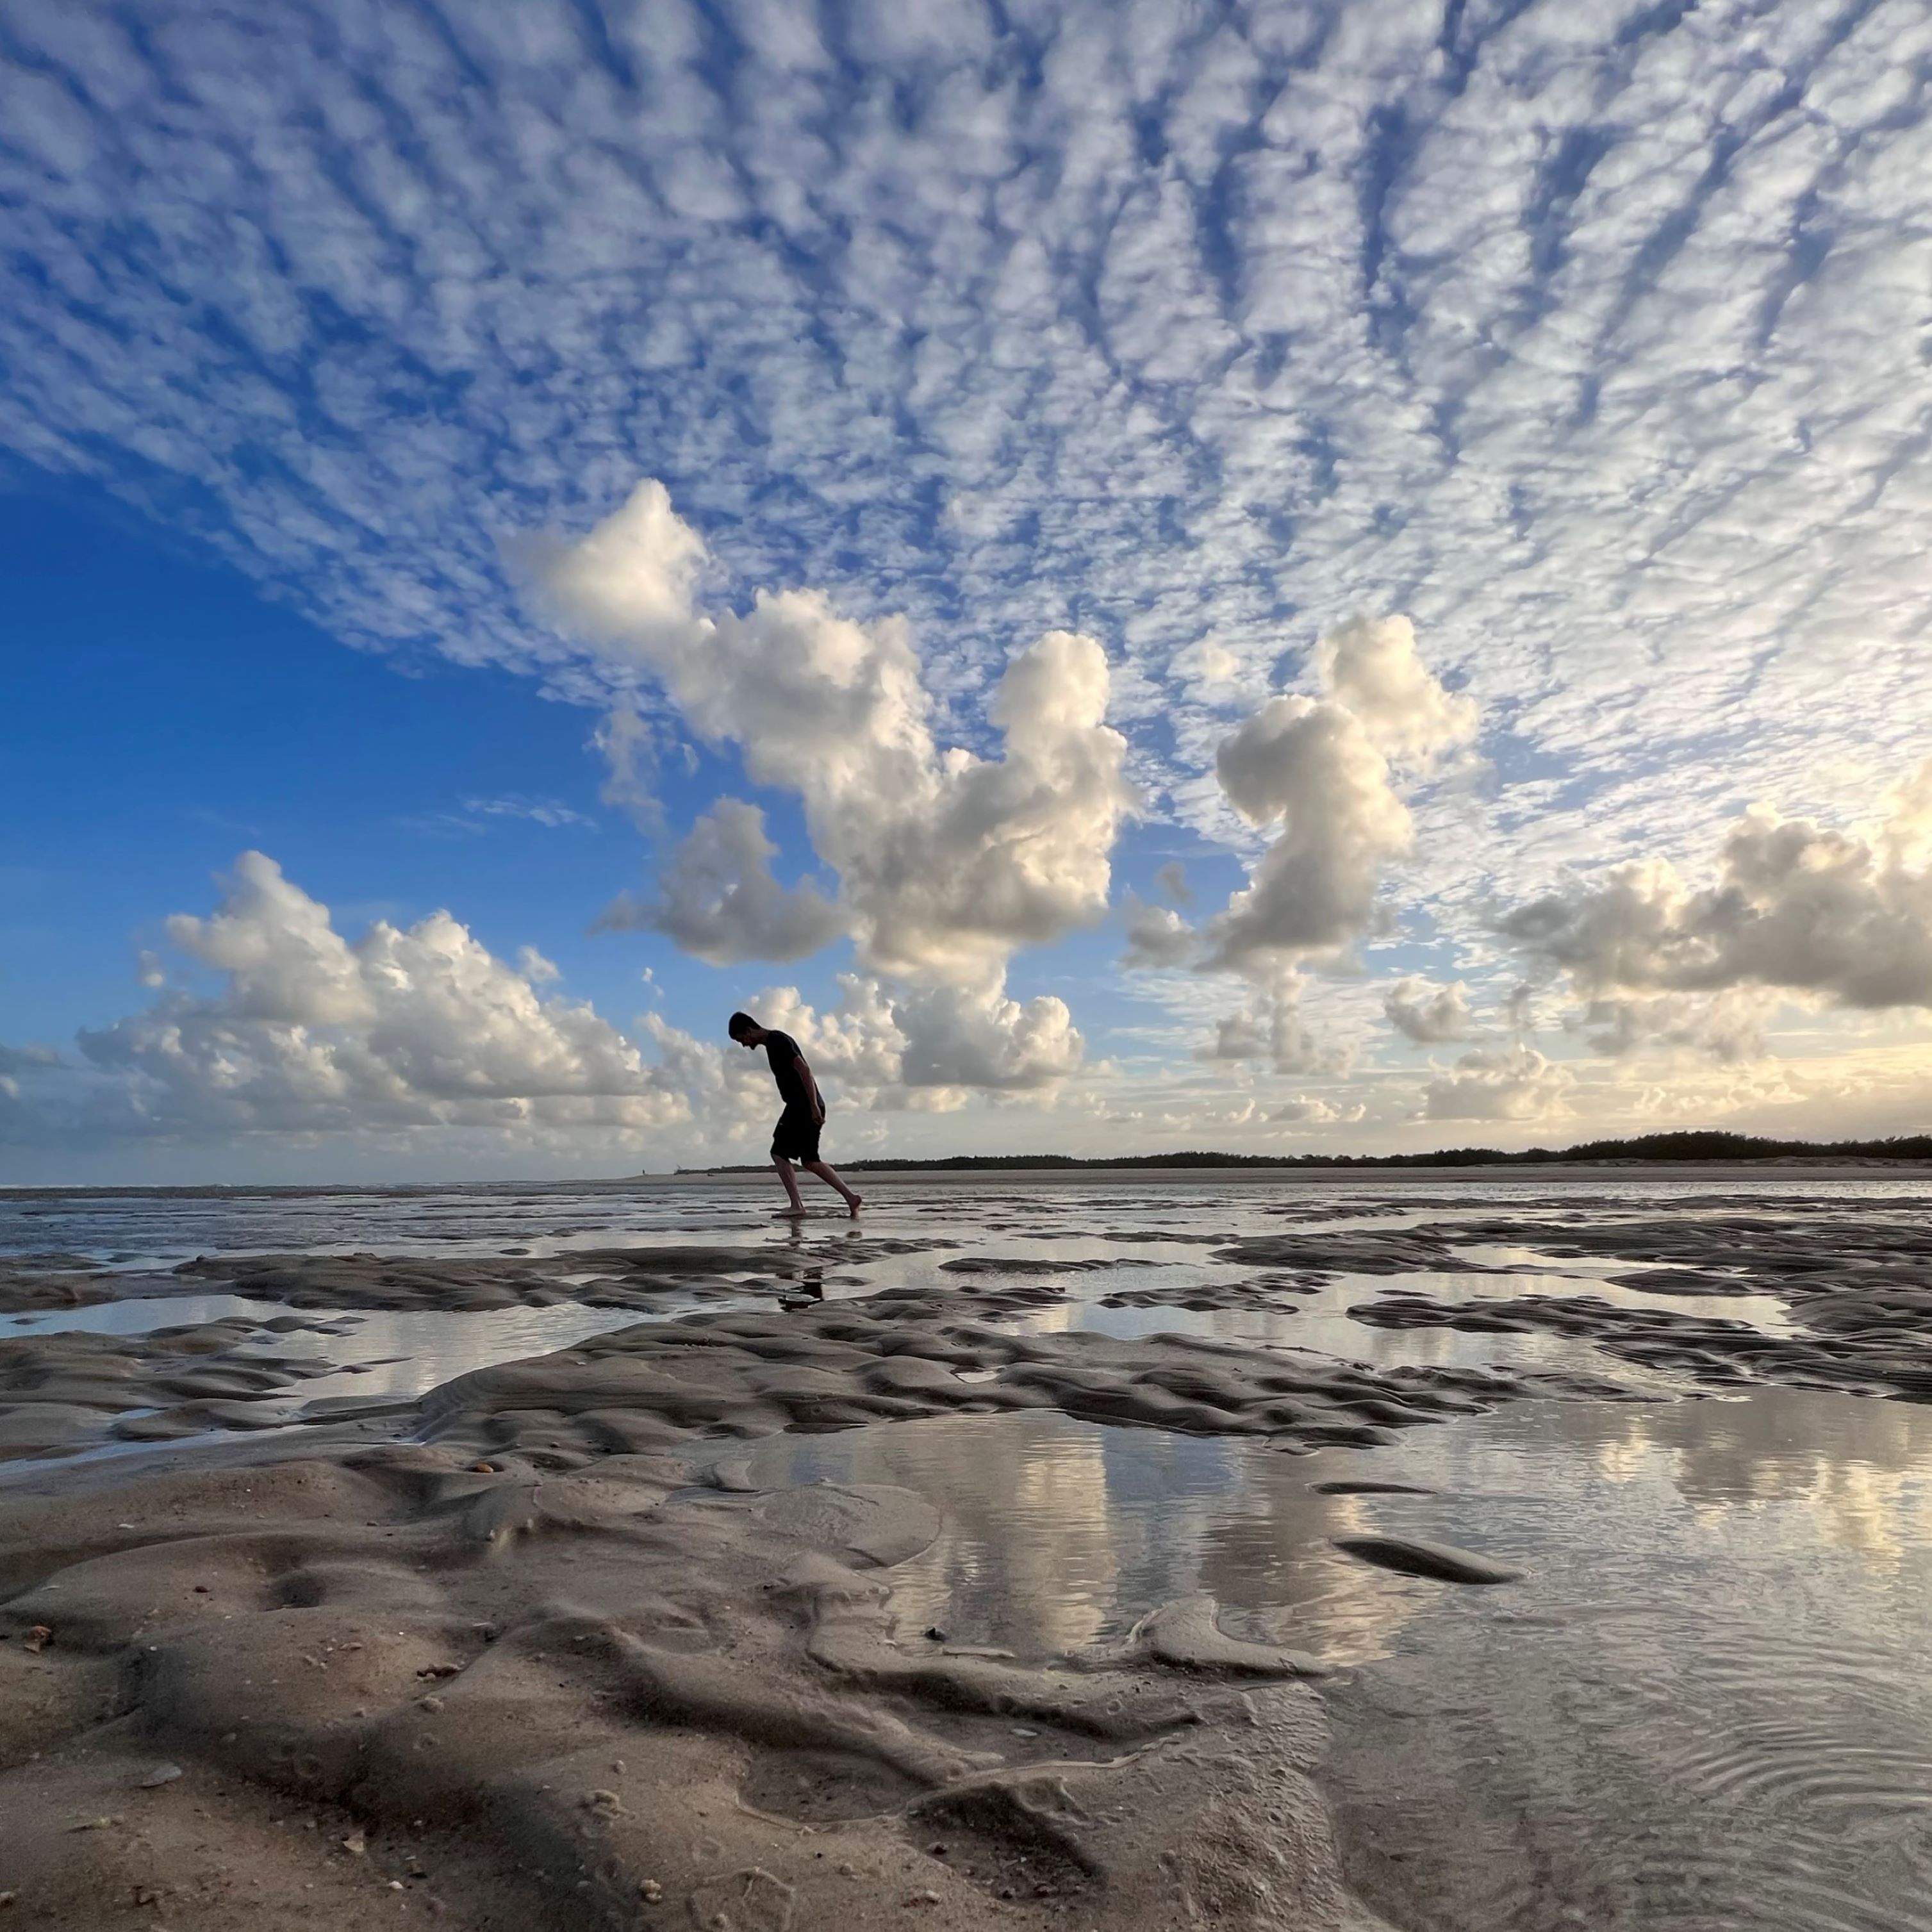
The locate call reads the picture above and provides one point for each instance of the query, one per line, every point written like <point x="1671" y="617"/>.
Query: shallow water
<point x="1130" y="1237"/>
<point x="383" y="1353"/>
<point x="1161" y="1237"/>
<point x="138" y="1315"/>
<point x="1704" y="1706"/>
<point x="138" y="1228"/>
<point x="143" y="1230"/>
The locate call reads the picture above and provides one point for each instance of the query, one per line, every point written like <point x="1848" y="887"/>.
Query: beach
<point x="1459" y="1548"/>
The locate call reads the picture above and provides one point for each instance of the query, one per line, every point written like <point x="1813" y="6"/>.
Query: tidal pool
<point x="1705" y="1704"/>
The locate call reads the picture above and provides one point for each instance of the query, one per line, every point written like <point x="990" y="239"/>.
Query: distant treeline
<point x="1699" y="1143"/>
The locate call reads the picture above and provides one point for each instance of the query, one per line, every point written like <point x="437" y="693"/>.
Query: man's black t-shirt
<point x="782" y="1054"/>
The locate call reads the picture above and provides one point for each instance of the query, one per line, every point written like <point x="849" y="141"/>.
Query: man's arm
<point x="805" y="1073"/>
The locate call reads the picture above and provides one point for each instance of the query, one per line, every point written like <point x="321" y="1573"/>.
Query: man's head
<point x="744" y="1029"/>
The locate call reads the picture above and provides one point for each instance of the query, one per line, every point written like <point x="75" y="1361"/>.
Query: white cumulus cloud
<point x="1157" y="935"/>
<point x="1371" y="667"/>
<point x="1831" y="917"/>
<point x="1322" y="768"/>
<point x="310" y="1032"/>
<point x="927" y="1046"/>
<point x="978" y="1037"/>
<point x="947" y="862"/>
<point x="1310" y="764"/>
<point x="1729" y="1026"/>
<point x="1425" y="1013"/>
<point x="717" y="897"/>
<point x="1269" y="1026"/>
<point x="406" y="1031"/>
<point x="1512" y="1083"/>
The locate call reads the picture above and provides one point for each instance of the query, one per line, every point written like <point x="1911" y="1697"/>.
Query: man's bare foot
<point x="788" y="1213"/>
<point x="858" y="1200"/>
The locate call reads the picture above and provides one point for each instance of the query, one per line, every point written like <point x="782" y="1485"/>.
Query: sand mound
<point x="64" y="1391"/>
<point x="1797" y="1245"/>
<point x="1265" y="1294"/>
<point x="54" y="1281"/>
<point x="563" y="1665"/>
<point x="643" y="1278"/>
<point x="838" y="1365"/>
<point x="1353" y="1251"/>
<point x="614" y="1698"/>
<point x="1873" y="1342"/>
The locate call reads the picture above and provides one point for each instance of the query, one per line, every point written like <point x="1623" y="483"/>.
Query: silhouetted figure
<point x="796" y="1136"/>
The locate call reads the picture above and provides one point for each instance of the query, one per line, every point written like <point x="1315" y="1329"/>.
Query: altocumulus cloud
<point x="936" y="305"/>
<point x="1581" y="333"/>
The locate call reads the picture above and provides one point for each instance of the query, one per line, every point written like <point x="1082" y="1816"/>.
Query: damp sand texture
<point x="1119" y="1557"/>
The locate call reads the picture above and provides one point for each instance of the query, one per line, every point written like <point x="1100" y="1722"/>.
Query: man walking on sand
<point x="796" y="1136"/>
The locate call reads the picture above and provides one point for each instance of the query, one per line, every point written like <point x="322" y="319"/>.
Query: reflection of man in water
<point x="796" y="1136"/>
<point x="808" y="1290"/>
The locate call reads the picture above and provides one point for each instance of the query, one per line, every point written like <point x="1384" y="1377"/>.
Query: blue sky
<point x="587" y="470"/>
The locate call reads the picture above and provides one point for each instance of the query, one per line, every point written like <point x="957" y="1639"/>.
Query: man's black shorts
<point x="796" y="1136"/>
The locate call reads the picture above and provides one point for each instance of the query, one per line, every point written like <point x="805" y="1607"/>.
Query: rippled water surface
<point x="1164" y="1234"/>
<point x="1706" y="1704"/>
<point x="142" y="1227"/>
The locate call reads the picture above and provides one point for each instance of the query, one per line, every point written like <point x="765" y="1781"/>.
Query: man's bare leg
<point x="792" y="1195"/>
<point x="823" y="1170"/>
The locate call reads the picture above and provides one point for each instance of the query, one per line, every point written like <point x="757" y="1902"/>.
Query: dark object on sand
<point x="1348" y="1487"/>
<point x="1414" y="1558"/>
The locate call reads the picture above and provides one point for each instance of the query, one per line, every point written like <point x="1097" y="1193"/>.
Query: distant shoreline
<point x="1362" y="1175"/>
<point x="1689" y="1156"/>
<point x="1699" y="1147"/>
<point x="1562" y="1173"/>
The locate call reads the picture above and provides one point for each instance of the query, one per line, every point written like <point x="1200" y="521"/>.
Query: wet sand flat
<point x="1090" y="1552"/>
